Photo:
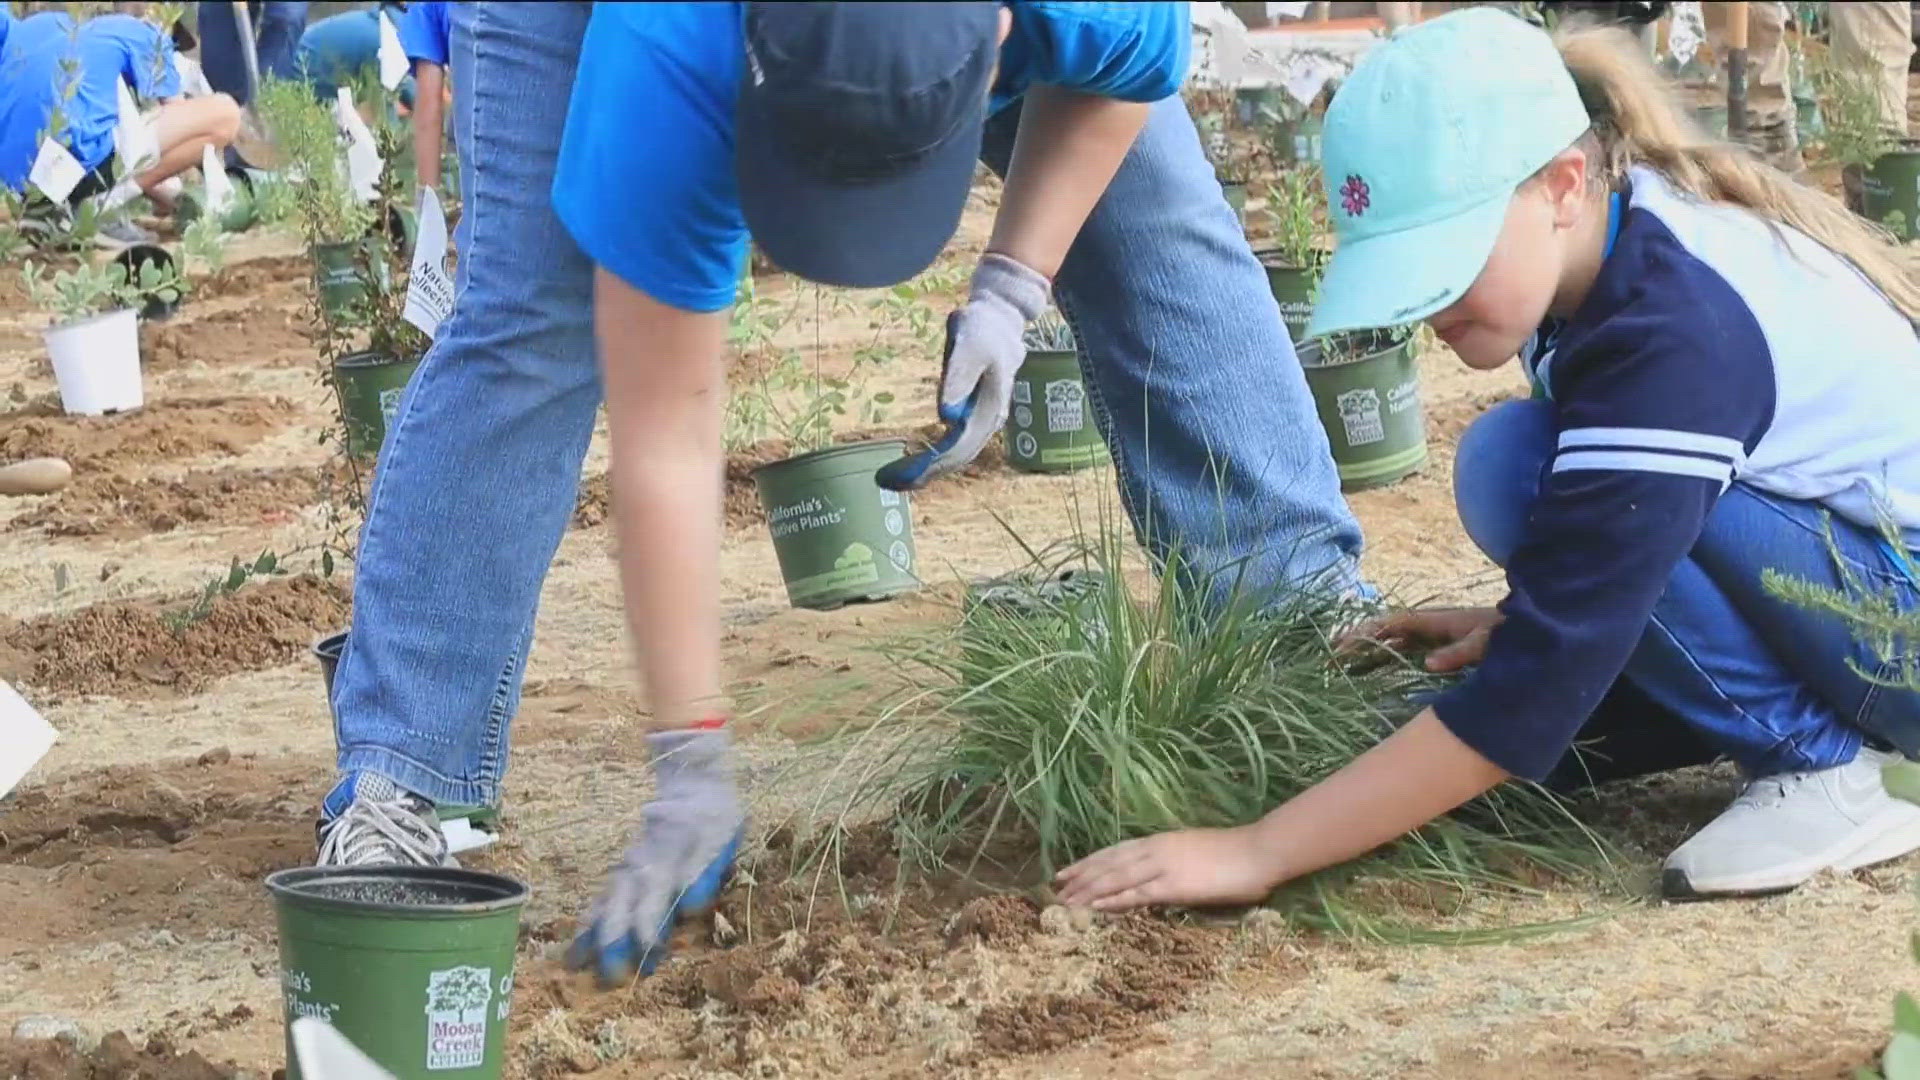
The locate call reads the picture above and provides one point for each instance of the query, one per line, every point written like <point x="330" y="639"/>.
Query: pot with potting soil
<point x="94" y="341"/>
<point x="839" y="536"/>
<point x="1050" y="427"/>
<point x="1366" y="388"/>
<point x="414" y="965"/>
<point x="1890" y="189"/>
<point x="1293" y="262"/>
<point x="369" y="385"/>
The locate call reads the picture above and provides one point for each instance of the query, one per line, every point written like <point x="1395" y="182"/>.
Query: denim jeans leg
<point x="1193" y="377"/>
<point x="480" y="472"/>
<point x="1757" y="679"/>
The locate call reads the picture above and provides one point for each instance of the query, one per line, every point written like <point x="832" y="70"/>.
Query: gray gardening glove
<point x="679" y="860"/>
<point x="984" y="350"/>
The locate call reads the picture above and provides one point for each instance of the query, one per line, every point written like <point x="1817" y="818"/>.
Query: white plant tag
<point x="1292" y="11"/>
<point x="429" y="289"/>
<point x="1307" y="74"/>
<point x="219" y="185"/>
<point x="133" y="139"/>
<point x="363" y="160"/>
<point x="1686" y="29"/>
<point x="393" y="58"/>
<point x="56" y="171"/>
<point x="25" y="738"/>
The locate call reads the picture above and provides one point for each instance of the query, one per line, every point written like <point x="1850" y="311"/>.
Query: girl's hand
<point x="1457" y="636"/>
<point x="1192" y="867"/>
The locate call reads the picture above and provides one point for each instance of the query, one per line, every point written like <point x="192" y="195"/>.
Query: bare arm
<point x="429" y="118"/>
<point x="1068" y="148"/>
<point x="665" y="390"/>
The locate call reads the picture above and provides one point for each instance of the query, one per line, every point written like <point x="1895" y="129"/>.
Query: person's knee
<point x="1497" y="471"/>
<point x="226" y="119"/>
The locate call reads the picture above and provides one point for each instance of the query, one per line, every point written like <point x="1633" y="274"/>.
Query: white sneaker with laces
<point x="1783" y="829"/>
<point x="384" y="826"/>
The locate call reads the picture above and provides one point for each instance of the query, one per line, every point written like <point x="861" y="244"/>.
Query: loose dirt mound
<point x="164" y="430"/>
<point x="272" y="277"/>
<point x="116" y="1058"/>
<point x="914" y="983"/>
<point x="252" y="337"/>
<point x="130" y="647"/>
<point x="106" y="505"/>
<point x="178" y="849"/>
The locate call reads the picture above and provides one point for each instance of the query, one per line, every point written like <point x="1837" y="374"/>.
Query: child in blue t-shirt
<point x="109" y="49"/>
<point x="423" y="35"/>
<point x="1729" y="383"/>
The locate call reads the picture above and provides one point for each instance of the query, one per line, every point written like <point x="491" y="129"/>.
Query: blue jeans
<point x="1749" y="676"/>
<point x="1198" y="390"/>
<point x="1193" y="376"/>
<point x="276" y="30"/>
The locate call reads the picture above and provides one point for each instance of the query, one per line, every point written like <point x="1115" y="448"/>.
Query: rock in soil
<point x="35" y="476"/>
<point x="50" y="1027"/>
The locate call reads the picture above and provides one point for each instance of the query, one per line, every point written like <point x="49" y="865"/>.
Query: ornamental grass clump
<point x="1064" y="713"/>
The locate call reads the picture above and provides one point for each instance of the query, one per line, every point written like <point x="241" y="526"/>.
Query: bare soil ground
<point x="191" y="761"/>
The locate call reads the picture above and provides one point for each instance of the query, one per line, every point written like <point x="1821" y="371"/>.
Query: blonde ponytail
<point x="1636" y="122"/>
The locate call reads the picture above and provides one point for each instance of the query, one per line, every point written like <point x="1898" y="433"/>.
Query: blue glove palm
<point x="681" y="857"/>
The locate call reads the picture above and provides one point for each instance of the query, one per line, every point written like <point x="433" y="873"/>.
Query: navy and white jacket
<point x="1714" y="347"/>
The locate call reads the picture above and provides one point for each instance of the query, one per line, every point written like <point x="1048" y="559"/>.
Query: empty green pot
<point x="1367" y="392"/>
<point x="239" y="215"/>
<point x="1050" y="427"/>
<point x="336" y="274"/>
<point x="369" y="386"/>
<point x="840" y="537"/>
<point x="414" y="965"/>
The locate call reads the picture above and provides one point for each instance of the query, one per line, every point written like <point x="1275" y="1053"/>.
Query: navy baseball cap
<point x="857" y="132"/>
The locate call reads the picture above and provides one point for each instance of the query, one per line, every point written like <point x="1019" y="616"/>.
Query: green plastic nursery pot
<point x="1292" y="288"/>
<point x="327" y="650"/>
<point x="1236" y="193"/>
<point x="840" y="537"/>
<point x="1712" y="119"/>
<point x="336" y="273"/>
<point x="369" y="386"/>
<point x="414" y="965"/>
<point x="1050" y="427"/>
<point x="1892" y="186"/>
<point x="239" y="215"/>
<point x="1368" y="397"/>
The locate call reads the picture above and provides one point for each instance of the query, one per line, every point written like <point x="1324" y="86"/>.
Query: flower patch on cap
<point x="1355" y="196"/>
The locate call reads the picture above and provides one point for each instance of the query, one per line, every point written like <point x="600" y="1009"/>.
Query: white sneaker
<point x="1784" y="829"/>
<point x="384" y="826"/>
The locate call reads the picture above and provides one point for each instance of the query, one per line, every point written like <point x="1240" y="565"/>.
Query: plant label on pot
<point x="25" y="738"/>
<point x="429" y="289"/>
<point x="393" y="58"/>
<point x="133" y="139"/>
<point x="363" y="160"/>
<point x="56" y="171"/>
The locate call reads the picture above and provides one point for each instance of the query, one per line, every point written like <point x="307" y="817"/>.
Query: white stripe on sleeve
<point x="1693" y="442"/>
<point x="1720" y="472"/>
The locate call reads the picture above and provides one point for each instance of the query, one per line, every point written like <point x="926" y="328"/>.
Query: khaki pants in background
<point x="1770" y="127"/>
<point x="1876" y="39"/>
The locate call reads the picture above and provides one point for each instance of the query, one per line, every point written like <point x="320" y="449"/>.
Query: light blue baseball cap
<point x="1423" y="148"/>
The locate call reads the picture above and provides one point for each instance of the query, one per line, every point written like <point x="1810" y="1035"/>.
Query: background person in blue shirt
<point x="341" y="48"/>
<point x="1168" y="302"/>
<point x="1697" y="429"/>
<point x="423" y="34"/>
<point x="109" y="49"/>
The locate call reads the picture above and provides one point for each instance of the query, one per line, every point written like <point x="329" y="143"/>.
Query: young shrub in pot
<point x="1050" y="427"/>
<point x="1295" y="259"/>
<point x="94" y="342"/>
<point x="1366" y="388"/>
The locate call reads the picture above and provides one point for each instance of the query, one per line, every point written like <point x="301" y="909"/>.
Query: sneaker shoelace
<point x="382" y="832"/>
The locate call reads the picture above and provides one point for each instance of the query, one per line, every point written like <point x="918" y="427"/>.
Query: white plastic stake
<point x="1307" y="74"/>
<point x="393" y="58"/>
<point x="325" y="1054"/>
<point x="429" y="289"/>
<point x="1685" y="31"/>
<point x="363" y="159"/>
<point x="25" y="738"/>
<point x="219" y="185"/>
<point x="133" y="139"/>
<point x="56" y="171"/>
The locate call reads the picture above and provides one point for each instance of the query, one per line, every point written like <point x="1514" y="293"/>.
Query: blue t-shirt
<point x="336" y="49"/>
<point x="423" y="31"/>
<point x="108" y="48"/>
<point x="1692" y="364"/>
<point x="649" y="192"/>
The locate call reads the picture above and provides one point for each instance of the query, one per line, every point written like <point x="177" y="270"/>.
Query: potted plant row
<point x="94" y="341"/>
